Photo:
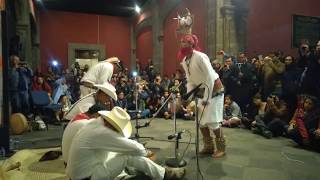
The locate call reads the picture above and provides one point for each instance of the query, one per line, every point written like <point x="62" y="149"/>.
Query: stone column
<point x="133" y="48"/>
<point x="35" y="35"/>
<point x="230" y="43"/>
<point x="211" y="27"/>
<point x="23" y="30"/>
<point x="157" y="38"/>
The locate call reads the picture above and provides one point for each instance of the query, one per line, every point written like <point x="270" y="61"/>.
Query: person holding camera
<point x="272" y="72"/>
<point x="272" y="123"/>
<point x="20" y="75"/>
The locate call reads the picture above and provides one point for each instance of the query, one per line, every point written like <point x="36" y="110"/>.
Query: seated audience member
<point x="275" y="119"/>
<point x="304" y="127"/>
<point x="143" y="111"/>
<point x="75" y="125"/>
<point x="122" y="101"/>
<point x="256" y="108"/>
<point x="61" y="88"/>
<point x="154" y="103"/>
<point x="65" y="106"/>
<point x="39" y="84"/>
<point x="122" y="86"/>
<point x="188" y="111"/>
<point x="175" y="88"/>
<point x="166" y="113"/>
<point x="102" y="150"/>
<point x="232" y="113"/>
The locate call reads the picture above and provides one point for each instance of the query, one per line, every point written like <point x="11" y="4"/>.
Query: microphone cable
<point x="197" y="138"/>
<point x="185" y="150"/>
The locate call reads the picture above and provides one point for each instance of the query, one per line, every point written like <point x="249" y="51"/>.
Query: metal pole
<point x="4" y="129"/>
<point x="197" y="136"/>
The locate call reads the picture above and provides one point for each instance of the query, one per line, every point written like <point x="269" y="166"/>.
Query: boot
<point x="208" y="147"/>
<point x="174" y="173"/>
<point x="221" y="148"/>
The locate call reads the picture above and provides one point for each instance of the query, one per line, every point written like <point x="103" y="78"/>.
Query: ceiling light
<point x="137" y="9"/>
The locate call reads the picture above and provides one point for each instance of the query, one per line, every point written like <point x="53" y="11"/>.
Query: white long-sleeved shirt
<point x="93" y="144"/>
<point x="99" y="73"/>
<point x="199" y="70"/>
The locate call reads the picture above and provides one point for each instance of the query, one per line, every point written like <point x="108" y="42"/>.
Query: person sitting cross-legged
<point x="102" y="150"/>
<point x="79" y="121"/>
<point x="231" y="113"/>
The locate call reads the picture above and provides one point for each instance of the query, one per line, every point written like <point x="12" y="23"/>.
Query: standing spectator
<point x="227" y="78"/>
<point x="272" y="74"/>
<point x="242" y="82"/>
<point x="310" y="81"/>
<point x="290" y="83"/>
<point x="20" y="76"/>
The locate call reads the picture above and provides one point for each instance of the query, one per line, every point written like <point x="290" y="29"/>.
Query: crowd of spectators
<point x="272" y="94"/>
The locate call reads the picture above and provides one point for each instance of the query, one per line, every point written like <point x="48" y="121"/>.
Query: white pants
<point x="114" y="166"/>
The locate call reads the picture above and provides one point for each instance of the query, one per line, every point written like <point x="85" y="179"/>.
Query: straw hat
<point x="119" y="119"/>
<point x="108" y="89"/>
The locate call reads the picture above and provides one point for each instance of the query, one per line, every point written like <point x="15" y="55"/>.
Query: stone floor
<point x="249" y="157"/>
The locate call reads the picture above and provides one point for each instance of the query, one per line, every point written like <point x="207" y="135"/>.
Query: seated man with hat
<point x="104" y="96"/>
<point x="99" y="74"/>
<point x="75" y="125"/>
<point x="102" y="150"/>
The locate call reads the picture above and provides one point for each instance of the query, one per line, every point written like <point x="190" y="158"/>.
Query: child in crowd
<point x="232" y="113"/>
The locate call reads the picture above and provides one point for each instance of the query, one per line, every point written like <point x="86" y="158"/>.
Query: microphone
<point x="194" y="90"/>
<point x="176" y="134"/>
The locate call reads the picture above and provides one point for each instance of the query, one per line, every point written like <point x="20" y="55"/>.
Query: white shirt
<point x="198" y="70"/>
<point x="68" y="135"/>
<point x="92" y="146"/>
<point x="99" y="73"/>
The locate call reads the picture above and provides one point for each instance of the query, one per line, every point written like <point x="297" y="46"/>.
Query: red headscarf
<point x="193" y="41"/>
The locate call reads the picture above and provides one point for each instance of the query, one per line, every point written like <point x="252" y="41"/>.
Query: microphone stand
<point x="197" y="136"/>
<point x="165" y="102"/>
<point x="197" y="94"/>
<point x="138" y="126"/>
<point x="176" y="161"/>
